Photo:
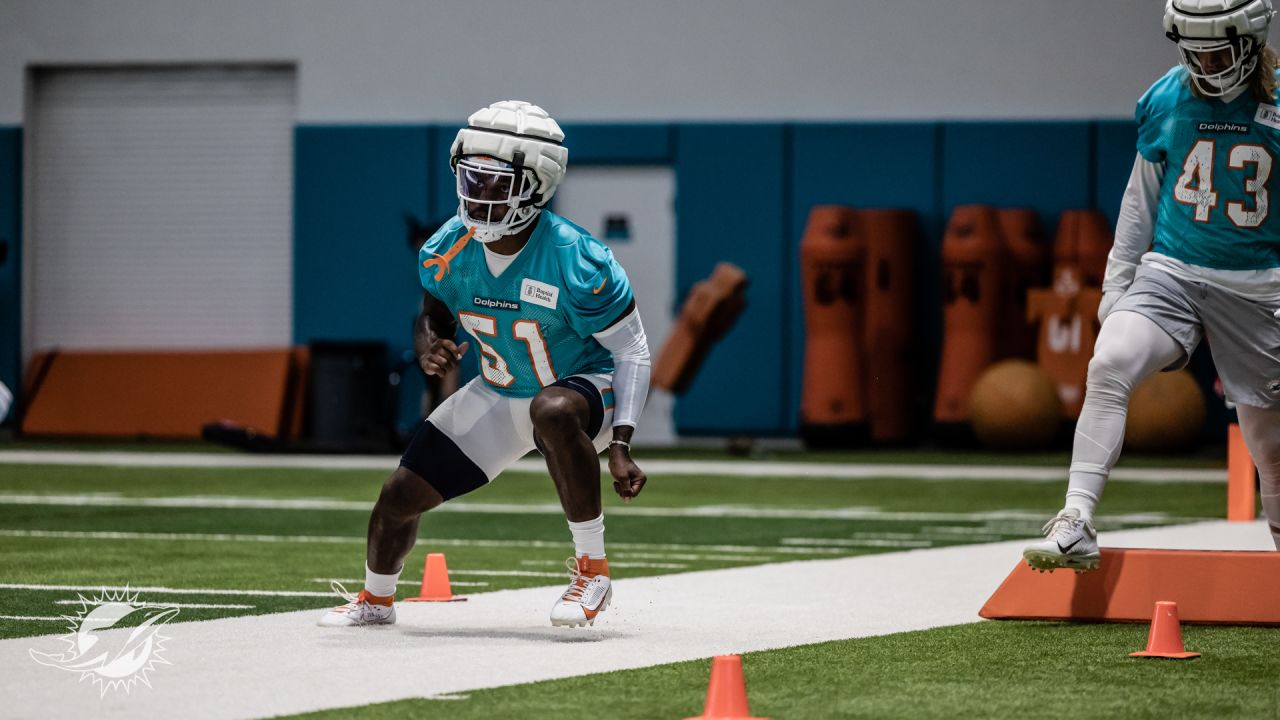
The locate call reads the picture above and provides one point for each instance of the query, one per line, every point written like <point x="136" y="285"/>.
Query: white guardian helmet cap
<point x="1204" y="27"/>
<point x="508" y="161"/>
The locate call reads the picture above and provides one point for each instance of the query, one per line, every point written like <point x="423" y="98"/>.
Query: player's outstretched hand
<point x="442" y="356"/>
<point x="628" y="478"/>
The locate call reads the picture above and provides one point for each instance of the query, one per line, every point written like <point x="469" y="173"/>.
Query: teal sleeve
<point x="599" y="291"/>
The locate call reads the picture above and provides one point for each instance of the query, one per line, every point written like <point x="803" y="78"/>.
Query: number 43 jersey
<point x="1215" y="205"/>
<point x="533" y="323"/>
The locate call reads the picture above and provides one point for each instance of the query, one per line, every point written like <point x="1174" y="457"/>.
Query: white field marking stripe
<point x="859" y="542"/>
<point x="194" y="606"/>
<point x="707" y="557"/>
<point x="353" y="540"/>
<point x="719" y="468"/>
<point x="703" y="511"/>
<point x="33" y="617"/>
<point x="614" y="564"/>
<point x="360" y="581"/>
<point x="167" y="590"/>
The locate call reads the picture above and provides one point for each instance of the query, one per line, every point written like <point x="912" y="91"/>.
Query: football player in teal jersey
<point x="564" y="363"/>
<point x="1196" y="255"/>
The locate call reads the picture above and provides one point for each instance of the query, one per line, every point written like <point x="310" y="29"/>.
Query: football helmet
<point x="1204" y="27"/>
<point x="508" y="162"/>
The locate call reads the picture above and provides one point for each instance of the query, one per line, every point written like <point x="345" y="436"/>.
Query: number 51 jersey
<point x="1215" y="206"/>
<point x="533" y="323"/>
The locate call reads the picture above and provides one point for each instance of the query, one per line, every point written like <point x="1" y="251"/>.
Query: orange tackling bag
<point x="890" y="237"/>
<point x="973" y="275"/>
<point x="832" y="258"/>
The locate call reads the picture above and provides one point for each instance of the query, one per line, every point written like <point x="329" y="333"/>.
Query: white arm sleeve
<point x="625" y="340"/>
<point x="1136" y="224"/>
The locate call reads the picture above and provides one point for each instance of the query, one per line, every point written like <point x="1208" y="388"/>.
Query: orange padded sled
<point x="832" y="263"/>
<point x="1219" y="587"/>
<point x="1028" y="267"/>
<point x="709" y="312"/>
<point x="890" y="237"/>
<point x="973" y="269"/>
<point x="1068" y="310"/>
<point x="158" y="394"/>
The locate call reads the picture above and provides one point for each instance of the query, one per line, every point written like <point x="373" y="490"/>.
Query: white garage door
<point x="632" y="209"/>
<point x="159" y="208"/>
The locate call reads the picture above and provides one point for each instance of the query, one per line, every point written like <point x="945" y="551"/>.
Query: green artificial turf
<point x="982" y="670"/>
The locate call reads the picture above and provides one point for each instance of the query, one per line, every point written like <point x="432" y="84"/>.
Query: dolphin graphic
<point x="118" y="657"/>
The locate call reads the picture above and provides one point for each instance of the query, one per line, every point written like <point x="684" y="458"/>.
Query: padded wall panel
<point x="355" y="274"/>
<point x="1042" y="165"/>
<point x="882" y="165"/>
<point x="10" y="256"/>
<point x="731" y="206"/>
<point x="618" y="144"/>
<point x="1115" y="148"/>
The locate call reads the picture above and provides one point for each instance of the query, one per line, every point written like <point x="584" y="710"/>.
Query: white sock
<point x="588" y="538"/>
<point x="380" y="585"/>
<point x="1083" y="492"/>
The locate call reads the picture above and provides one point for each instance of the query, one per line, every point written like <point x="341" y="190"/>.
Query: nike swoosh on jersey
<point x="596" y="291"/>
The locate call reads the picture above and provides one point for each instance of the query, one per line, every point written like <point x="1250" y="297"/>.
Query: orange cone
<point x="1165" y="638"/>
<point x="435" y="582"/>
<point x="1241" y="478"/>
<point x="727" y="692"/>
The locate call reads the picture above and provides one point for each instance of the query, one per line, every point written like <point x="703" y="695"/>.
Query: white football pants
<point x="1130" y="348"/>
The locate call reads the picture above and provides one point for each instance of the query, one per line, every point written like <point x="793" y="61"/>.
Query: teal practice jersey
<point x="1215" y="205"/>
<point x="533" y="323"/>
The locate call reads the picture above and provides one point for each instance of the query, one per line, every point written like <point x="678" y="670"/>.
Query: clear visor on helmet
<point x="489" y="191"/>
<point x="1218" y="65"/>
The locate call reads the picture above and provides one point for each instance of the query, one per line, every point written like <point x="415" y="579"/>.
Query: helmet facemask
<point x="1243" y="50"/>
<point x="495" y="198"/>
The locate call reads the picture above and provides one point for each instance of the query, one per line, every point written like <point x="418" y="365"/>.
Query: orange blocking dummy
<point x="832" y="257"/>
<point x="1068" y="310"/>
<point x="890" y="237"/>
<point x="709" y="312"/>
<point x="973" y="266"/>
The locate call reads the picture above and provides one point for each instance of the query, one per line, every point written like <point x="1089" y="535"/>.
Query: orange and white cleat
<point x="588" y="595"/>
<point x="362" y="609"/>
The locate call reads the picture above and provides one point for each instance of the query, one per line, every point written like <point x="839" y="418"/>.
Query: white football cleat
<point x="1069" y="542"/>
<point x="588" y="594"/>
<point x="359" y="610"/>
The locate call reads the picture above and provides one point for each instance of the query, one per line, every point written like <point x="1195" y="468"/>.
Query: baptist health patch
<point x="539" y="293"/>
<point x="1268" y="115"/>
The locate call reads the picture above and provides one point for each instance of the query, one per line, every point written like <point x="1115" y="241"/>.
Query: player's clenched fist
<point x="441" y="356"/>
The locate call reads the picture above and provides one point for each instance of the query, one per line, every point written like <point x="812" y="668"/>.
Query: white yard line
<point x="184" y="606"/>
<point x="721" y="468"/>
<point x="359" y="581"/>
<point x="764" y="550"/>
<point x="502" y="638"/>
<point x="33" y="617"/>
<point x="166" y="590"/>
<point x="701" y="511"/>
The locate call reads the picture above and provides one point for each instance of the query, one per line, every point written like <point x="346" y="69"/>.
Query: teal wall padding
<point x="731" y="205"/>
<point x="1116" y="143"/>
<point x="880" y="165"/>
<point x="355" y="276"/>
<point x="619" y="144"/>
<point x="1047" y="166"/>
<point x="11" y="268"/>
